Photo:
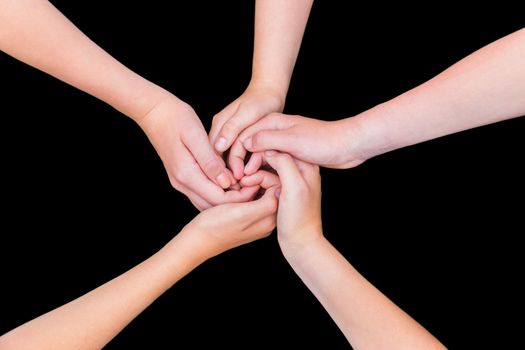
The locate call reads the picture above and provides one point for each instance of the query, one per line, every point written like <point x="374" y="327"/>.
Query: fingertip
<point x="248" y="180"/>
<point x="237" y="168"/>
<point x="248" y="143"/>
<point x="221" y="144"/>
<point x="248" y="191"/>
<point x="235" y="186"/>
<point x="238" y="173"/>
<point x="223" y="179"/>
<point x="254" y="164"/>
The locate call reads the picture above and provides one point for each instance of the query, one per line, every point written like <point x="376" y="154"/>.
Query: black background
<point x="434" y="226"/>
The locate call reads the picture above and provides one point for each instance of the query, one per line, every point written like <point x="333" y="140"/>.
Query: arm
<point x="279" y="28"/>
<point x="92" y="320"/>
<point x="367" y="318"/>
<point x="486" y="87"/>
<point x="36" y="33"/>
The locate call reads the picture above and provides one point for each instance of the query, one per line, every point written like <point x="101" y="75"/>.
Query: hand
<point x="299" y="211"/>
<point x="181" y="142"/>
<point x="252" y="105"/>
<point x="230" y="225"/>
<point x="329" y="144"/>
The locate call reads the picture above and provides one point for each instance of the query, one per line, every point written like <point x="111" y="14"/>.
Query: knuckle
<point x="274" y="116"/>
<point x="180" y="176"/>
<point x="272" y="205"/>
<point x="258" y="138"/>
<point x="175" y="183"/>
<point x="211" y="167"/>
<point x="231" y="127"/>
<point x="268" y="231"/>
<point x="270" y="226"/>
<point x="248" y="108"/>
<point x="216" y="120"/>
<point x="285" y="157"/>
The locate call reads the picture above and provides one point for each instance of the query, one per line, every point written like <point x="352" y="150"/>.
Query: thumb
<point x="245" y="116"/>
<point x="281" y="140"/>
<point x="288" y="172"/>
<point x="210" y="163"/>
<point x="259" y="209"/>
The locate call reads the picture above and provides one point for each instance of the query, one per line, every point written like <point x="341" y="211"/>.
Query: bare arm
<point x="368" y="319"/>
<point x="92" y="320"/>
<point x="486" y="87"/>
<point x="35" y="32"/>
<point x="279" y="29"/>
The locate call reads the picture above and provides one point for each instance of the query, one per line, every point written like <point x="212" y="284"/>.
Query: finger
<point x="245" y="194"/>
<point x="193" y="179"/>
<point x="210" y="163"/>
<point x="260" y="208"/>
<point x="235" y="186"/>
<point x="233" y="180"/>
<point x="198" y="202"/>
<point x="280" y="140"/>
<point x="215" y="195"/>
<point x="273" y="121"/>
<point x="310" y="171"/>
<point x="263" y="178"/>
<point x="254" y="164"/>
<point x="219" y="119"/>
<point x="236" y="159"/>
<point x="244" y="116"/>
<point x="288" y="172"/>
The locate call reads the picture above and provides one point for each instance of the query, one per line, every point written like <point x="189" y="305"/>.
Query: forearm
<point x="92" y="320"/>
<point x="35" y="32"/>
<point x="485" y="87"/>
<point x="368" y="319"/>
<point x="279" y="29"/>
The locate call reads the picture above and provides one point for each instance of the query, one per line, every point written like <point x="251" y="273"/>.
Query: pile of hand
<point x="225" y="166"/>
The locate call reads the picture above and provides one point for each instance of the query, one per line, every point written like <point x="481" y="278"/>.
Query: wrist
<point x="300" y="243"/>
<point x="273" y="89"/>
<point x="161" y="111"/>
<point x="130" y="93"/>
<point x="365" y="135"/>
<point x="188" y="245"/>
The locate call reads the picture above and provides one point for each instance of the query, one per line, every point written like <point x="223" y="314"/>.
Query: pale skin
<point x="485" y="87"/>
<point x="279" y="28"/>
<point x="35" y="32"/>
<point x="367" y="318"/>
<point x="95" y="318"/>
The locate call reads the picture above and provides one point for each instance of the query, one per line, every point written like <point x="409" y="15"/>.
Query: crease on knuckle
<point x="211" y="167"/>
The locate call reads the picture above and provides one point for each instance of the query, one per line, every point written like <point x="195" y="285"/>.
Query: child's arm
<point x="279" y="28"/>
<point x="35" y="32"/>
<point x="486" y="87"/>
<point x="92" y="320"/>
<point x="367" y="318"/>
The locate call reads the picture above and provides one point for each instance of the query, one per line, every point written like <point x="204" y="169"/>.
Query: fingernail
<point x="220" y="145"/>
<point x="269" y="153"/>
<point x="248" y="144"/>
<point x="223" y="181"/>
<point x="278" y="193"/>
